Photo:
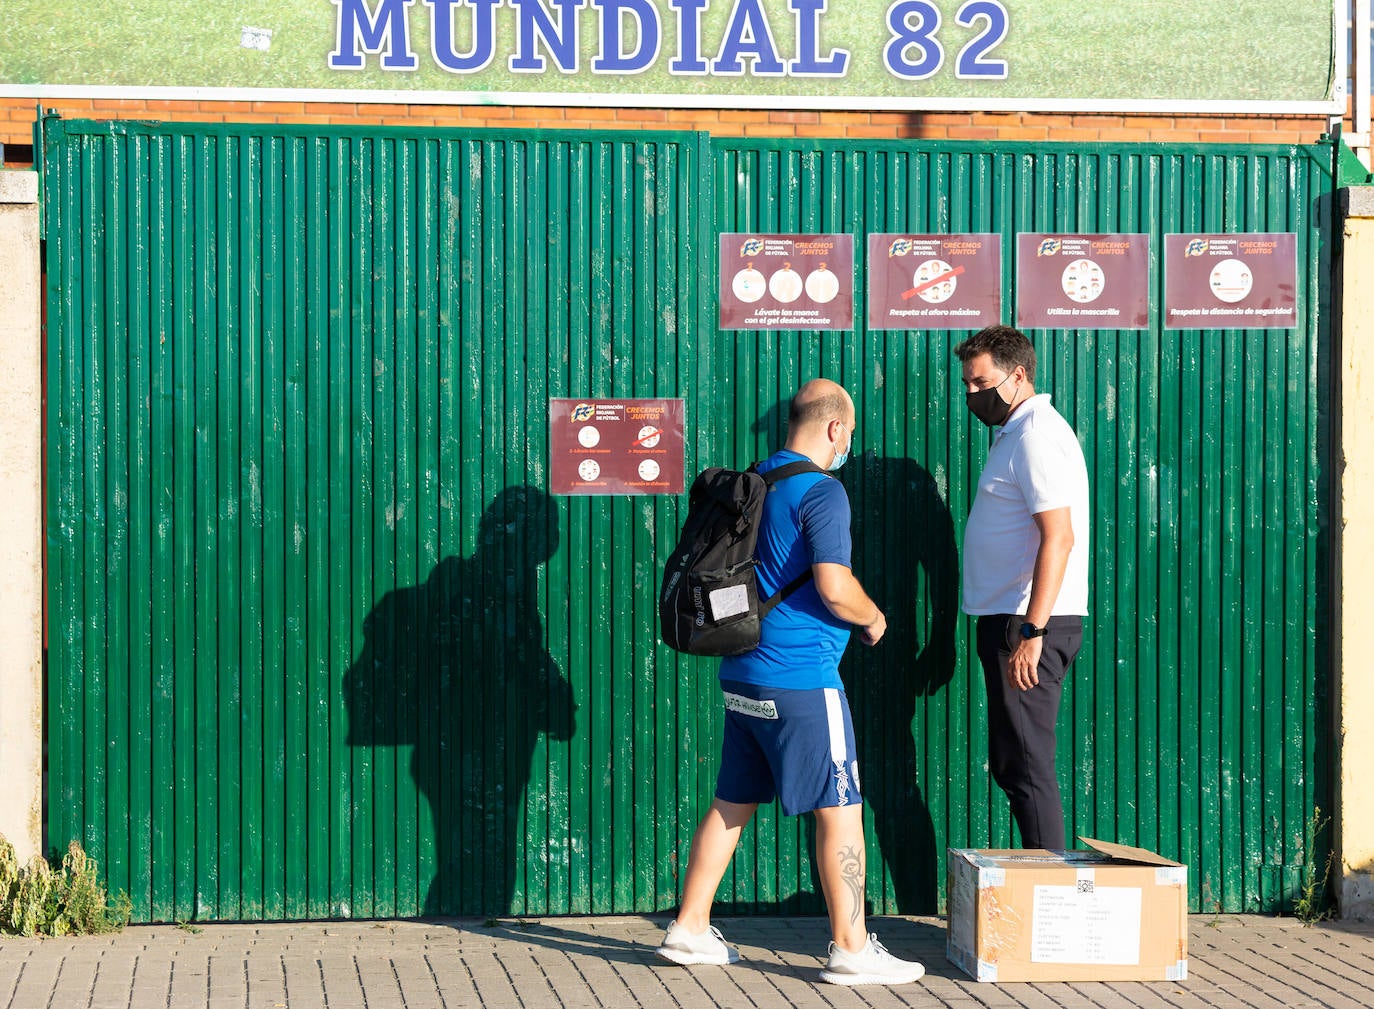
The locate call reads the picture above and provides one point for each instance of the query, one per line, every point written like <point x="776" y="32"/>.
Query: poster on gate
<point x="786" y="281"/>
<point x="1219" y="281"/>
<point x="615" y="446"/>
<point x="1082" y="281"/>
<point x="934" y="281"/>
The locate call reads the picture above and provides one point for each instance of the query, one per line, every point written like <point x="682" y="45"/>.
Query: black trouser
<point x="1021" y="723"/>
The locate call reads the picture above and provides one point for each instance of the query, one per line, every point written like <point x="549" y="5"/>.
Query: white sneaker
<point x="871" y="965"/>
<point x="682" y="947"/>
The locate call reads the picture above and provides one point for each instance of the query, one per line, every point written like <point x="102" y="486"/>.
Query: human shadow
<point x="769" y="946"/>
<point x="458" y="667"/>
<point x="781" y="949"/>
<point x="906" y="557"/>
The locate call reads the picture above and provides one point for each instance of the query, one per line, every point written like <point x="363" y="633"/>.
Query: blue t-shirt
<point x="805" y="522"/>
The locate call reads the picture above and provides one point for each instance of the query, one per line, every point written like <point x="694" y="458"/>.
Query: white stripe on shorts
<point x="834" y="715"/>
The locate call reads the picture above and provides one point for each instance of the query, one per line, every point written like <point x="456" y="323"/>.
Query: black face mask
<point x="988" y="405"/>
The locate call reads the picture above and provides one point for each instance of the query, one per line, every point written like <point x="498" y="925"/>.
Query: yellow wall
<point x="1354" y="820"/>
<point x="21" y="545"/>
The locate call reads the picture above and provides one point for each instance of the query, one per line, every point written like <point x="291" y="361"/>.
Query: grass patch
<point x="41" y="898"/>
<point x="1311" y="905"/>
<point x="1210" y="904"/>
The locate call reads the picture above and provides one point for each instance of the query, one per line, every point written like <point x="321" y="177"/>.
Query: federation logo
<point x="1196" y="247"/>
<point x="1048" y="247"/>
<point x="581" y="412"/>
<point x="900" y="247"/>
<point x="751" y="247"/>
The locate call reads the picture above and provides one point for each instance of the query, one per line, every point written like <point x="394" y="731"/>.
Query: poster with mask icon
<point x="615" y="446"/>
<point x="934" y="281"/>
<point x="1218" y="281"/>
<point x="1082" y="281"/>
<point x="786" y="281"/>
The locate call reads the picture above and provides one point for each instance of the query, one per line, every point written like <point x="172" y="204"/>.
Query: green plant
<point x="1210" y="903"/>
<point x="1310" y="906"/>
<point x="38" y="899"/>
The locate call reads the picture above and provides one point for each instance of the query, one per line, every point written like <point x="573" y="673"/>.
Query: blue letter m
<point x="362" y="29"/>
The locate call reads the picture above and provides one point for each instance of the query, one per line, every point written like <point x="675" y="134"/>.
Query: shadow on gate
<point x="457" y="667"/>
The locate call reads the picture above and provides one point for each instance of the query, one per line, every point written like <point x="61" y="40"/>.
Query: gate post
<point x="1354" y="815"/>
<point x="21" y="528"/>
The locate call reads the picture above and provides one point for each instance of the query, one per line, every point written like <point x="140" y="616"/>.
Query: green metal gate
<point x="1194" y="723"/>
<point x="322" y="645"/>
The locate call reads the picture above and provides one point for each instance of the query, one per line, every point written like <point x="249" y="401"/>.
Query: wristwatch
<point x="1029" y="630"/>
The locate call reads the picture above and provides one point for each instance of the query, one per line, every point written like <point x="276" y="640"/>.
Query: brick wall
<point x="17" y="117"/>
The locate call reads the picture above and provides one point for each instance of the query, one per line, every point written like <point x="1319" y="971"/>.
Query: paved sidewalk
<point x="607" y="963"/>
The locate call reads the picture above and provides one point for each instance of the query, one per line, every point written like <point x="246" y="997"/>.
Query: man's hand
<point x="1024" y="664"/>
<point x="846" y="599"/>
<point x="871" y="634"/>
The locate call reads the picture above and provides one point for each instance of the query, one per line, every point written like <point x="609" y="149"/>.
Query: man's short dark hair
<point x="1009" y="348"/>
<point x="807" y="408"/>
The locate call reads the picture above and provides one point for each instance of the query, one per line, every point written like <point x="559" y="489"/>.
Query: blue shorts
<point x="793" y="745"/>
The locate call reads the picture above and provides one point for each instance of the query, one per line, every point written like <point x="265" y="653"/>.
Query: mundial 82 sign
<point x="813" y="54"/>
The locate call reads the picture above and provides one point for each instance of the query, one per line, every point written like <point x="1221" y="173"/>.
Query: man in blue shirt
<point x="788" y="733"/>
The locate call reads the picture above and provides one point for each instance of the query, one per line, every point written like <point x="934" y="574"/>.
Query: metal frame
<point x="1355" y="39"/>
<point x="845" y="103"/>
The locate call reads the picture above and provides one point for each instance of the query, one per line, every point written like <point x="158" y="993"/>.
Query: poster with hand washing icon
<point x="786" y="281"/>
<point x="616" y="446"/>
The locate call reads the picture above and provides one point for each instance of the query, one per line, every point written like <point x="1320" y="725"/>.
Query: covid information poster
<point x="1082" y="281"/>
<point x="786" y="281"/>
<point x="1231" y="281"/>
<point x="615" y="446"/>
<point x="934" y="281"/>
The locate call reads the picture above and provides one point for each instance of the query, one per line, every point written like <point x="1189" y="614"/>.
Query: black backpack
<point x="708" y="603"/>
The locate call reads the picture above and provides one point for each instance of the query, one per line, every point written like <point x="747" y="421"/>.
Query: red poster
<point x="1082" y="281"/>
<point x="615" y="446"/>
<point x="786" y="281"/>
<point x="1231" y="281"/>
<point x="934" y="281"/>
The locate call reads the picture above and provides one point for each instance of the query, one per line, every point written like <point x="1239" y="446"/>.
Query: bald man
<point x="788" y="733"/>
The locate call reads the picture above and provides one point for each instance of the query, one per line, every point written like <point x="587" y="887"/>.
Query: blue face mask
<point x="841" y="458"/>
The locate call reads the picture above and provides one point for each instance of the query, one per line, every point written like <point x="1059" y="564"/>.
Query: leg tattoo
<point x="852" y="872"/>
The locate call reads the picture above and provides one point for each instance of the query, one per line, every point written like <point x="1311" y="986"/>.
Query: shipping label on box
<point x="1110" y="913"/>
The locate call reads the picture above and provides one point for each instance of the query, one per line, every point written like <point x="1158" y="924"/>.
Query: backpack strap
<point x="771" y="477"/>
<point x="788" y="469"/>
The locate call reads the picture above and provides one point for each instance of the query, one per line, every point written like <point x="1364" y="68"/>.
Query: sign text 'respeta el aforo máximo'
<point x="631" y="33"/>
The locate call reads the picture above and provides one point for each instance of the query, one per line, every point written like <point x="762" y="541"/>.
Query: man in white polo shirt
<point x="1025" y="572"/>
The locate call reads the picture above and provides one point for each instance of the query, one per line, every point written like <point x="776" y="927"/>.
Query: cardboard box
<point x="1112" y="913"/>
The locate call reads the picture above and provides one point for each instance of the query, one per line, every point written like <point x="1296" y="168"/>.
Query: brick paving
<point x="607" y="963"/>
